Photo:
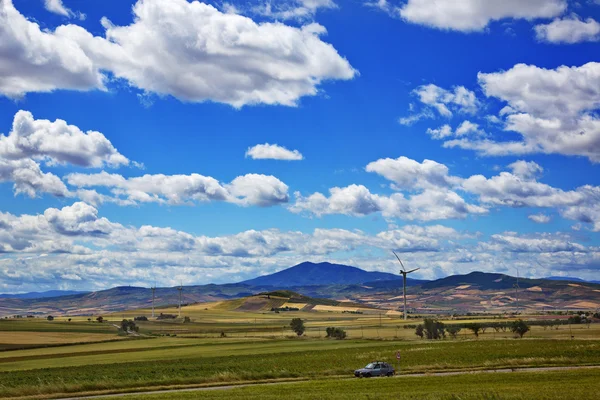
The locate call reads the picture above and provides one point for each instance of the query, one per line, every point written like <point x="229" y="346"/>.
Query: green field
<point x="259" y="346"/>
<point x="514" y="386"/>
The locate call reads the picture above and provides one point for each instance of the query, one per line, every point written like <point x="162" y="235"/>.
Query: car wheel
<point x="367" y="375"/>
<point x="390" y="374"/>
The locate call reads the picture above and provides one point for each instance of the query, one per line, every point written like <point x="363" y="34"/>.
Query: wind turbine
<point x="180" y="289"/>
<point x="404" y="272"/>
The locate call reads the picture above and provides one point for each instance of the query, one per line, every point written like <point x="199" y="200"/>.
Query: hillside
<point x="308" y="274"/>
<point x="40" y="295"/>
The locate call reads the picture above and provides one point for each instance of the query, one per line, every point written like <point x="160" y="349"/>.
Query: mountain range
<point x="477" y="291"/>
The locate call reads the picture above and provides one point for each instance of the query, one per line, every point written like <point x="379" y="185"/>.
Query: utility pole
<point x="153" y="290"/>
<point x="180" y="289"/>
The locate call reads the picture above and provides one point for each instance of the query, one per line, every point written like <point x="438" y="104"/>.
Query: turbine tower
<point x="180" y="289"/>
<point x="153" y="288"/>
<point x="404" y="272"/>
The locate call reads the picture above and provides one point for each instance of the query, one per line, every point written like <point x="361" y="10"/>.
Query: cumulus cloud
<point x="357" y="200"/>
<point x="210" y="56"/>
<point x="470" y="15"/>
<point x="28" y="179"/>
<point x="273" y="152"/>
<point x="466" y="128"/>
<point x="553" y="110"/>
<point x="444" y="102"/>
<point x="539" y="218"/>
<point x="57" y="143"/>
<point x="293" y="9"/>
<point x="406" y="173"/>
<point x="250" y="189"/>
<point x="538" y="243"/>
<point x="57" y="7"/>
<point x="41" y="61"/>
<point x="569" y="30"/>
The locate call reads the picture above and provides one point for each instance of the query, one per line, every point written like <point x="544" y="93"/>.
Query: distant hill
<point x="569" y="279"/>
<point x="308" y="273"/>
<point x="40" y="295"/>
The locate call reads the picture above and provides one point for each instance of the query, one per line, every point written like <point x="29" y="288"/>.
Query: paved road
<point x="228" y="387"/>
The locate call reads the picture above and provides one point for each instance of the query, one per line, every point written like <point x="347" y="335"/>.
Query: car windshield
<point x="370" y="366"/>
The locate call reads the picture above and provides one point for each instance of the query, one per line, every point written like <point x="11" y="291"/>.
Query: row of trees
<point x="298" y="327"/>
<point x="434" y="329"/>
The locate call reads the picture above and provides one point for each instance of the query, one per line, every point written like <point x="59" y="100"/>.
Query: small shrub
<point x="419" y="331"/>
<point x="141" y="318"/>
<point x="100" y="319"/>
<point x="186" y="320"/>
<point x="50" y="318"/>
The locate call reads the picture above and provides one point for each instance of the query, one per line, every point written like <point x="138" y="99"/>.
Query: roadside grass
<point x="235" y="362"/>
<point x="554" y="385"/>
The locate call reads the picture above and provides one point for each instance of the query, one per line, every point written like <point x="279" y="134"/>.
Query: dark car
<point x="376" y="368"/>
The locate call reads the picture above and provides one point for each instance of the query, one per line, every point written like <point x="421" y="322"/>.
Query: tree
<point x="129" y="325"/>
<point x="453" y="330"/>
<point x="475" y="328"/>
<point x="50" y="318"/>
<point x="69" y="320"/>
<point x="297" y="326"/>
<point x="100" y="319"/>
<point x="419" y="331"/>
<point x="519" y="328"/>
<point x="433" y="329"/>
<point x="336" y="333"/>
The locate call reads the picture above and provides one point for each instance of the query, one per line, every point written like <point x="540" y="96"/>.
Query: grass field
<point x="258" y="345"/>
<point x="514" y="386"/>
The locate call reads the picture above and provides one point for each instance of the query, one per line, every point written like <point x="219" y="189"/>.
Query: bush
<point x="453" y="330"/>
<point x="433" y="329"/>
<point x="519" y="328"/>
<point x="419" y="331"/>
<point x="100" y="319"/>
<point x="166" y="316"/>
<point x="129" y="325"/>
<point x="475" y="328"/>
<point x="297" y="326"/>
<point x="69" y="320"/>
<point x="186" y="320"/>
<point x="223" y="334"/>
<point x="142" y="318"/>
<point x="50" y="318"/>
<point x="335" y="333"/>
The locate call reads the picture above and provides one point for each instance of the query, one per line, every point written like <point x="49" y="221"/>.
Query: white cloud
<point x="29" y="180"/>
<point x="57" y="7"/>
<point x="32" y="60"/>
<point x="554" y="111"/>
<point x="569" y="30"/>
<point x="57" y="142"/>
<point x="527" y="170"/>
<point x="410" y="174"/>
<point x="250" y="189"/>
<point x="474" y="15"/>
<point x="539" y="218"/>
<point x="466" y="128"/>
<point x="273" y="152"/>
<point x="462" y="99"/>
<point x="211" y="56"/>
<point x="215" y="56"/>
<point x="258" y="190"/>
<point x="293" y="9"/>
<point x="538" y="243"/>
<point x="357" y="200"/>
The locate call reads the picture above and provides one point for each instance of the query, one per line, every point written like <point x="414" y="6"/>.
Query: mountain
<point x="308" y="274"/>
<point x="40" y="295"/>
<point x="569" y="279"/>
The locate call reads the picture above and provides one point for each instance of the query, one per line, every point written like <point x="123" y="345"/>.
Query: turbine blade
<point x="412" y="270"/>
<point x="399" y="260"/>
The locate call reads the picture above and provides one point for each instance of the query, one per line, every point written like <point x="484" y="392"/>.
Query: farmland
<point x="242" y="340"/>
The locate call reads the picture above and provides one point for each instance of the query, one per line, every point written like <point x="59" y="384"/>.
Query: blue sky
<point x="213" y="142"/>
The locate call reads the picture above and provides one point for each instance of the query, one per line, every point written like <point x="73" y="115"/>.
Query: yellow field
<point x="50" y="338"/>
